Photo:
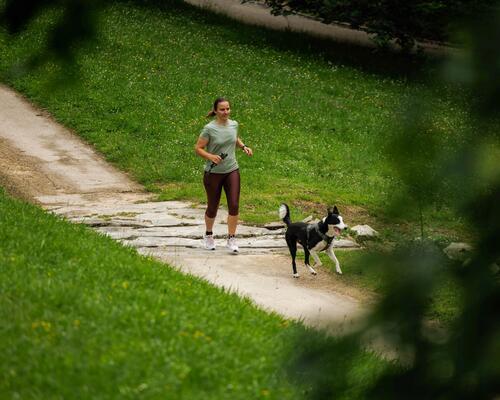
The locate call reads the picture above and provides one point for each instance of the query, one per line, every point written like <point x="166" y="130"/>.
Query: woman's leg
<point x="232" y="224"/>
<point x="213" y="187"/>
<point x="232" y="190"/>
<point x="209" y="223"/>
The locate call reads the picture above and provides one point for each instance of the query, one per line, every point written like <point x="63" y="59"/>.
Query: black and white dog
<point x="312" y="237"/>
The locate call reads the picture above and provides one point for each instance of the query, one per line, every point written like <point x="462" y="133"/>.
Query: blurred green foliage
<point x="75" y="26"/>
<point x="458" y="361"/>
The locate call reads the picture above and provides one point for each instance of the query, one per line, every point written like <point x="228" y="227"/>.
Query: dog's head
<point x="334" y="221"/>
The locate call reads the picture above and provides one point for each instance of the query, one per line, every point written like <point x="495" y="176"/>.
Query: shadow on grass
<point x="382" y="62"/>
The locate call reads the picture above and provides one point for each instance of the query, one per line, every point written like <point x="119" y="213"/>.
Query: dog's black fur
<point x="312" y="237"/>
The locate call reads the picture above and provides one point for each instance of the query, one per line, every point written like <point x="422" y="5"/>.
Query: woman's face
<point x="223" y="111"/>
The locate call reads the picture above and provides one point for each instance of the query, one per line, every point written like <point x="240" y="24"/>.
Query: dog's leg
<point x="311" y="270"/>
<point x="292" y="246"/>
<point x="306" y="257"/>
<point x="317" y="261"/>
<point x="331" y="254"/>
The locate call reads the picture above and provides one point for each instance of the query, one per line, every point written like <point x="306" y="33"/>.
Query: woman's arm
<point x="244" y="147"/>
<point x="199" y="149"/>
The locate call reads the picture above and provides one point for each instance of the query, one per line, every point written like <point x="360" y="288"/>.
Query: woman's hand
<point x="248" y="151"/>
<point x="215" y="158"/>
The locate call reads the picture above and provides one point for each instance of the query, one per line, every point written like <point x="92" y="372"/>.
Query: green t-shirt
<point x="221" y="139"/>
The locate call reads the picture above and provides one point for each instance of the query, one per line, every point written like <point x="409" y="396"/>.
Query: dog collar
<point x="325" y="238"/>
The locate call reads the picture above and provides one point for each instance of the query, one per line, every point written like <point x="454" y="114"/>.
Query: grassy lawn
<point x="82" y="316"/>
<point x="316" y="114"/>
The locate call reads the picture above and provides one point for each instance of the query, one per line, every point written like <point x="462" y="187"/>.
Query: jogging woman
<point x="217" y="144"/>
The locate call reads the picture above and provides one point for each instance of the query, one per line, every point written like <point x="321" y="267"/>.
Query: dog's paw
<point x="311" y="269"/>
<point x="296" y="275"/>
<point x="337" y="269"/>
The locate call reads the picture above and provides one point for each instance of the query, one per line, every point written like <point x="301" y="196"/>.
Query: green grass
<point x="316" y="114"/>
<point x="82" y="316"/>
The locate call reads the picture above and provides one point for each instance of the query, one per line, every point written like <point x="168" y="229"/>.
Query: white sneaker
<point x="232" y="246"/>
<point x="209" y="242"/>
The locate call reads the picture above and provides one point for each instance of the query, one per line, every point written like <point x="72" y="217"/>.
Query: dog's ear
<point x="335" y="210"/>
<point x="332" y="210"/>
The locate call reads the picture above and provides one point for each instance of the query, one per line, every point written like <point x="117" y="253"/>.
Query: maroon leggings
<point x="213" y="186"/>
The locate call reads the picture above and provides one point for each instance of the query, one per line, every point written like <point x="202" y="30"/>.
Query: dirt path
<point x="44" y="163"/>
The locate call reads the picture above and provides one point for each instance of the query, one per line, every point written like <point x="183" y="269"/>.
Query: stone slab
<point x="257" y="242"/>
<point x="364" y="230"/>
<point x="186" y="231"/>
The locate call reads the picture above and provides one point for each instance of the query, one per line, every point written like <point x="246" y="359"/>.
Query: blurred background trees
<point x="405" y="22"/>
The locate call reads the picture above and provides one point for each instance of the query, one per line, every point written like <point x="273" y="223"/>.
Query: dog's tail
<point x="285" y="214"/>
